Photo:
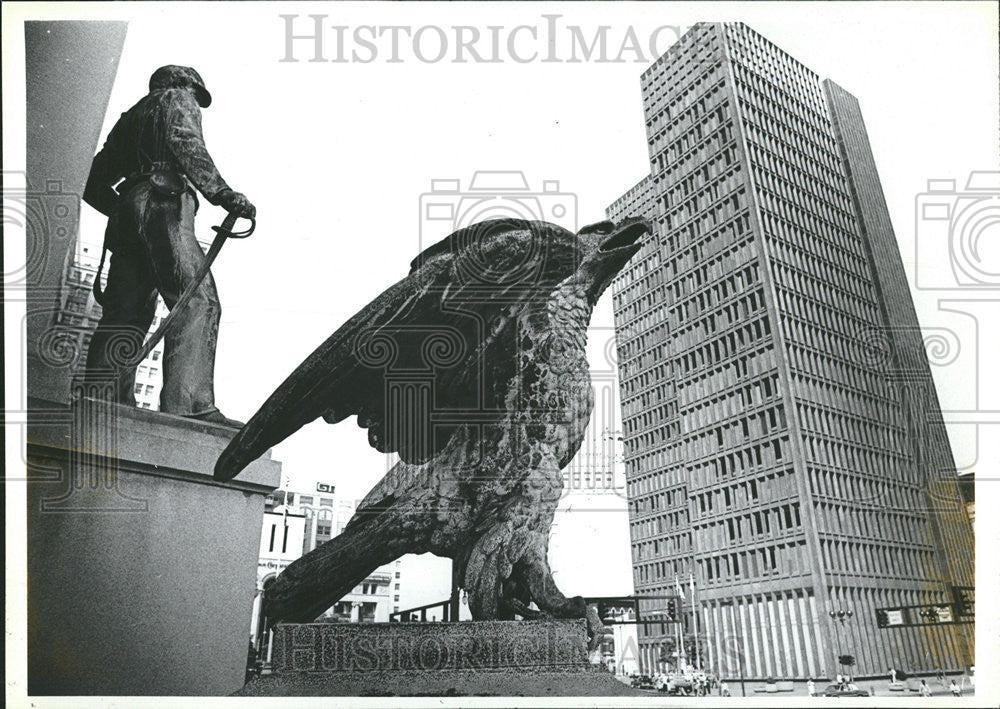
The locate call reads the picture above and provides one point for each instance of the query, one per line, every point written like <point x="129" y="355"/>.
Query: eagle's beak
<point x="627" y="238"/>
<point x="613" y="252"/>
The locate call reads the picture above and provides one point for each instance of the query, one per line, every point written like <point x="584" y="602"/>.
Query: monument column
<point x="70" y="68"/>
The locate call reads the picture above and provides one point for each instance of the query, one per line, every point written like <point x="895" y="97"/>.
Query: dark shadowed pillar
<point x="69" y="71"/>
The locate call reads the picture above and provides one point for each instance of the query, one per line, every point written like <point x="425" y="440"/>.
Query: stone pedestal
<point x="489" y="658"/>
<point x="141" y="568"/>
<point x="482" y="645"/>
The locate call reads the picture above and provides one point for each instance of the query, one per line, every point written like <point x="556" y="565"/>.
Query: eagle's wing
<point x="435" y="349"/>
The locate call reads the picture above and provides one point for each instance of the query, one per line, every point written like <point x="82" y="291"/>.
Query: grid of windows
<point x="761" y="445"/>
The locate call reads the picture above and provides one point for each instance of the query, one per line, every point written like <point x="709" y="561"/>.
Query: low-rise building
<point x="296" y="521"/>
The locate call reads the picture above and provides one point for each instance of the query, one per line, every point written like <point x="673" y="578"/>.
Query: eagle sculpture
<point x="473" y="369"/>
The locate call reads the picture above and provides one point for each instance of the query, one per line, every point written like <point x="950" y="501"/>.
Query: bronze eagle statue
<point x="473" y="369"/>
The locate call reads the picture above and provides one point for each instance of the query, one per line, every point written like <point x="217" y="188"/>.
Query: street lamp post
<point x="743" y="681"/>
<point x="842" y="616"/>
<point x="730" y="604"/>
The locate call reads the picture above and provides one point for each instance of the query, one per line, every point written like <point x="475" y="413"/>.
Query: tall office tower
<point x="783" y="438"/>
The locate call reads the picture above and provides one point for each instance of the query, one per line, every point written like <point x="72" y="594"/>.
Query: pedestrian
<point x="158" y="148"/>
<point x="811" y="686"/>
<point x="723" y="689"/>
<point x="955" y="689"/>
<point x="925" y="691"/>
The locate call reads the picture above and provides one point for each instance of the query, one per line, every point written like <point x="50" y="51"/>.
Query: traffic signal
<point x="930" y="614"/>
<point x="671" y="609"/>
<point x="963" y="602"/>
<point x="882" y="618"/>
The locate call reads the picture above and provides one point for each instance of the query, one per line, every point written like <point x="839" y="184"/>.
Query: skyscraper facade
<point x="783" y="437"/>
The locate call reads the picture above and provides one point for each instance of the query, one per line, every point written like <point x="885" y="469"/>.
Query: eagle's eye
<point x="605" y="227"/>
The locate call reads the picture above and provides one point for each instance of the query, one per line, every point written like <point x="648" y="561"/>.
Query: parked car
<point x="643" y="682"/>
<point x="845" y="690"/>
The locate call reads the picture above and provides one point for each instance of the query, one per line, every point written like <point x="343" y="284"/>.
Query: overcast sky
<point x="337" y="155"/>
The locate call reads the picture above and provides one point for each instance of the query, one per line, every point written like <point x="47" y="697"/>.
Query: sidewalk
<point x="880" y="686"/>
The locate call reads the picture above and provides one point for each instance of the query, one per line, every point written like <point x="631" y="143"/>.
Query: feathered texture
<point x="450" y="317"/>
<point x="473" y="369"/>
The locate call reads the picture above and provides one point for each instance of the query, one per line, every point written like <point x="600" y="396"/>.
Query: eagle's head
<point x="606" y="248"/>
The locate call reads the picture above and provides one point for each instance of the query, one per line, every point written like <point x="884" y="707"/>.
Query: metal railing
<point x="450" y="613"/>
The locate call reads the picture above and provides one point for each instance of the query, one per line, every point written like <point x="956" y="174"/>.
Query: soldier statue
<point x="157" y="153"/>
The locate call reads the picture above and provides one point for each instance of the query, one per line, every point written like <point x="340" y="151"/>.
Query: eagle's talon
<point x="521" y="608"/>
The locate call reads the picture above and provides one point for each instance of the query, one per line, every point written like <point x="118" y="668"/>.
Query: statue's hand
<point x="233" y="201"/>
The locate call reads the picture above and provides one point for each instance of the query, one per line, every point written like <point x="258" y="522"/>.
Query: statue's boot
<point x="216" y="416"/>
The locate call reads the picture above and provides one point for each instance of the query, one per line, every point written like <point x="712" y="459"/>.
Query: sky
<point x="340" y="157"/>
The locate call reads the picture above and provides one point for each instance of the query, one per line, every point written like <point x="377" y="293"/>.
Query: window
<point x="397" y="574"/>
<point x="138" y="388"/>
<point x="270" y="546"/>
<point x="305" y="500"/>
<point x="323" y="530"/>
<point x="156" y="355"/>
<point x="396" y="598"/>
